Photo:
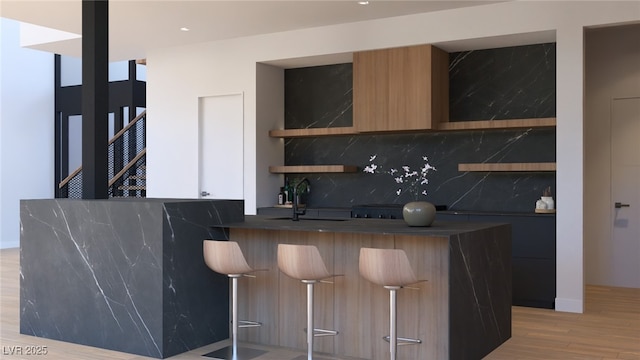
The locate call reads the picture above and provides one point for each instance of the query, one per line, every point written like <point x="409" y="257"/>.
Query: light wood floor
<point x="609" y="329"/>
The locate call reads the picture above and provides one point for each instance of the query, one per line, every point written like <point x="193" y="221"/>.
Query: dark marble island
<point x="123" y="274"/>
<point x="463" y="311"/>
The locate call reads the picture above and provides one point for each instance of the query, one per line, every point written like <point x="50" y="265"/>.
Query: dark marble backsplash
<point x="319" y="97"/>
<point x="516" y="82"/>
<point x="504" y="83"/>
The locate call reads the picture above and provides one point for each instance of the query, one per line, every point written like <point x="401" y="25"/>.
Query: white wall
<point x="612" y="70"/>
<point x="176" y="77"/>
<point x="26" y="129"/>
<point x="269" y="115"/>
<point x="70" y="71"/>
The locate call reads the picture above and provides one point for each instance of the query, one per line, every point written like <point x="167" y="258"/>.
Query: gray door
<point x="623" y="256"/>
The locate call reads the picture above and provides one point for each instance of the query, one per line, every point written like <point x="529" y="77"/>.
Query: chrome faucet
<point x="297" y="212"/>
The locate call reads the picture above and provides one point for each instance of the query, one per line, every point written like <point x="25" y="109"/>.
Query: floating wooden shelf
<point x="331" y="131"/>
<point x="545" y="211"/>
<point x="512" y="167"/>
<point x="497" y="124"/>
<point x="305" y="169"/>
<point x="445" y="126"/>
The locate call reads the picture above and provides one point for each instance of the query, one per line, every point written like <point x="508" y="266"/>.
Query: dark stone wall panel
<point x="518" y="82"/>
<point x="447" y="186"/>
<point x="317" y="97"/>
<point x="505" y="83"/>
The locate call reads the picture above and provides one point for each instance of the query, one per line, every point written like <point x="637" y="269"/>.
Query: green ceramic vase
<point x="419" y="213"/>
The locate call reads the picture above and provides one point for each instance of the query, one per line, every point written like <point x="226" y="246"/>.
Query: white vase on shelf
<point x="549" y="201"/>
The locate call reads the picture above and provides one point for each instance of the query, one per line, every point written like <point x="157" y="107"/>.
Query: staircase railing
<point x="131" y="180"/>
<point x="126" y="164"/>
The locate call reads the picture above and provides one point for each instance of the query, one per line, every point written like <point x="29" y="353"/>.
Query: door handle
<point x="204" y="193"/>
<point x="620" y="205"/>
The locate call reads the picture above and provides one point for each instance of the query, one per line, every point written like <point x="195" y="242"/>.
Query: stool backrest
<point x="302" y="262"/>
<point x="386" y="267"/>
<point x="225" y="257"/>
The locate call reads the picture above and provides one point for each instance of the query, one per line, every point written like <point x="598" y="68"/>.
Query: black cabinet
<point x="533" y="254"/>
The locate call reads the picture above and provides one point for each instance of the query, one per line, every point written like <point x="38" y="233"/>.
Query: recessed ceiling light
<point x="363" y="2"/>
<point x="184" y="29"/>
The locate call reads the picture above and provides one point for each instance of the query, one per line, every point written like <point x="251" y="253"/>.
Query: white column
<point x="570" y="169"/>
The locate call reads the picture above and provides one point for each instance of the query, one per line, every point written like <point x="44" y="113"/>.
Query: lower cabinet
<point x="533" y="254"/>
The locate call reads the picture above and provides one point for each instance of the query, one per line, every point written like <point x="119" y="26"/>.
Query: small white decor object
<point x="548" y="200"/>
<point x="546" y="204"/>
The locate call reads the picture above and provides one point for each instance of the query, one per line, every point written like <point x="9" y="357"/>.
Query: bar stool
<point x="225" y="257"/>
<point x="304" y="263"/>
<point x="391" y="269"/>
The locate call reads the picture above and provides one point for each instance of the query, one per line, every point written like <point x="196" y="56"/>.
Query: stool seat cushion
<point x="225" y="257"/>
<point x="386" y="267"/>
<point x="302" y="262"/>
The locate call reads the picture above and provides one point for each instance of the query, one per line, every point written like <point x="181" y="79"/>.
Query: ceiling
<point x="138" y="26"/>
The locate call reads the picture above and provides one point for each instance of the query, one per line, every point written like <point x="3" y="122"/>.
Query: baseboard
<point x="9" y="245"/>
<point x="570" y="305"/>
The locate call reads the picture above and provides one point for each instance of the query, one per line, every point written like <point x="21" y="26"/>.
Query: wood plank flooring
<point x="609" y="329"/>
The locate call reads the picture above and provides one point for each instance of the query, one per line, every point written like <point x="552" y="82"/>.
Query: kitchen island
<point x="463" y="311"/>
<point x="123" y="274"/>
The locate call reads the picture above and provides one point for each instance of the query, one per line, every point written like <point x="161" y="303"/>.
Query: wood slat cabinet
<point x="400" y="89"/>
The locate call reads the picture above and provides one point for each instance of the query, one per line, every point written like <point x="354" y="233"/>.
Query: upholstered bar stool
<point x="391" y="269"/>
<point x="225" y="257"/>
<point x="304" y="263"/>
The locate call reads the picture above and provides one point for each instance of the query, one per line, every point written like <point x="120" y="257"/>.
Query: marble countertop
<point x="286" y="211"/>
<point x="493" y="213"/>
<point x="351" y="225"/>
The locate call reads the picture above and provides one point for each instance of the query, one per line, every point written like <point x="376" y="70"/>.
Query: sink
<point x="309" y="218"/>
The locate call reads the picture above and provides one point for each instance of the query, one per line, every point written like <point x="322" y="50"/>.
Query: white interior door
<point x="221" y="147"/>
<point x="624" y="261"/>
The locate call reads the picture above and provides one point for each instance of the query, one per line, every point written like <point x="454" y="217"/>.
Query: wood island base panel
<point x="462" y="311"/>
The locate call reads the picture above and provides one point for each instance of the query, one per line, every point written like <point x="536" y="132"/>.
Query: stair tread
<point x="132" y="187"/>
